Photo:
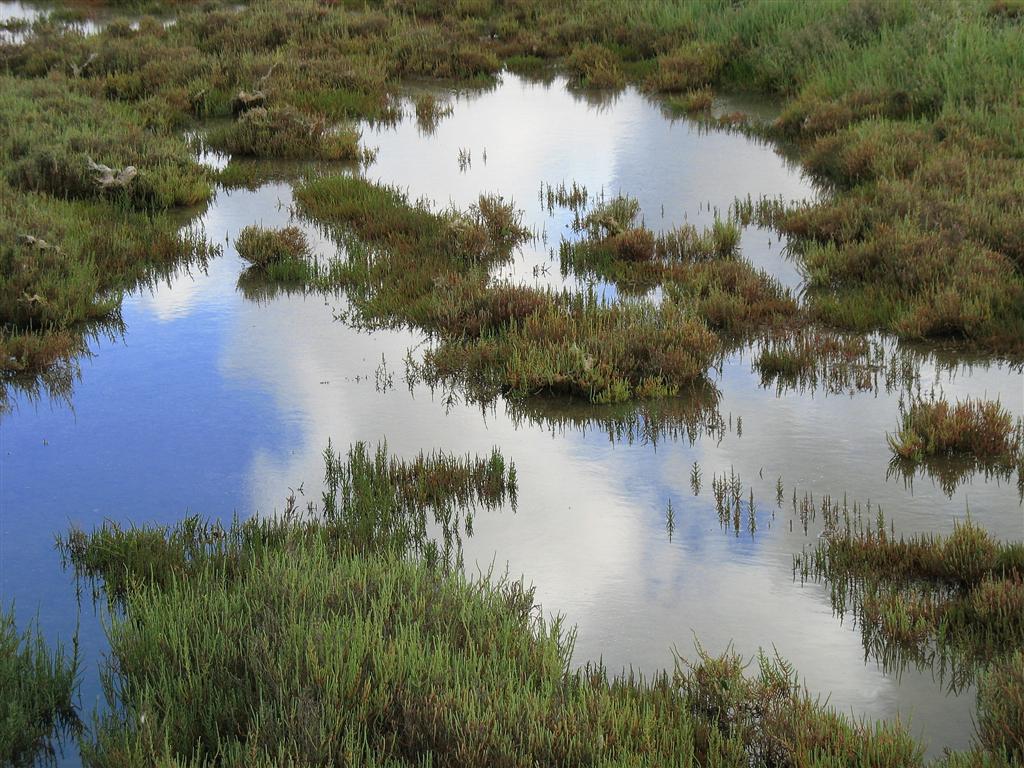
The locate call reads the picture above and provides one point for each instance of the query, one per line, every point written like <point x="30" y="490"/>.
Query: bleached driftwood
<point x="257" y="97"/>
<point x="32" y="241"/>
<point x="78" y="69"/>
<point x="32" y="299"/>
<point x="246" y="100"/>
<point x="112" y="178"/>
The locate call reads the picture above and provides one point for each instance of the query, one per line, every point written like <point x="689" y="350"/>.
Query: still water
<point x="212" y="403"/>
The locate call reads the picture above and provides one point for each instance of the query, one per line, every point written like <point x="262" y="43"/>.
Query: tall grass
<point x="955" y="603"/>
<point x="981" y="429"/>
<point x="38" y="684"/>
<point x="331" y="638"/>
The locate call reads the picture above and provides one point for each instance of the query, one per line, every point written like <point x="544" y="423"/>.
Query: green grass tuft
<point x="38" y="687"/>
<point x="330" y="638"/>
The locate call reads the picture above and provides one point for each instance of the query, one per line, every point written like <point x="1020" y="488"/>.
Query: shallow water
<point x="86" y="20"/>
<point x="31" y="12"/>
<point x="213" y="403"/>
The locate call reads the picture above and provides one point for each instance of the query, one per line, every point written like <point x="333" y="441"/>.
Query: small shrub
<point x="284" y="132"/>
<point x="693" y="101"/>
<point x="982" y="429"/>
<point x="969" y="553"/>
<point x="594" y="66"/>
<point x="689" y="68"/>
<point x="38" y="685"/>
<point x="635" y="244"/>
<point x="263" y="247"/>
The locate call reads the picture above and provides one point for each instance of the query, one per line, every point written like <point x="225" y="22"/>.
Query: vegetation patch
<point x="38" y="687"/>
<point x="1001" y="706"/>
<point x="429" y="270"/>
<point x="275" y="257"/>
<point x="698" y="270"/>
<point x="953" y="442"/>
<point x="265" y="247"/>
<point x="594" y="66"/>
<point x="581" y="346"/>
<point x="982" y="429"/>
<point x="921" y="235"/>
<point x="696" y="101"/>
<point x="956" y="602"/>
<point x="334" y="637"/>
<point x="285" y="133"/>
<point x="77" y="226"/>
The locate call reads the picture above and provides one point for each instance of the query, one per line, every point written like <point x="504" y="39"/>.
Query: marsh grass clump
<point x="77" y="226"/>
<point x="372" y="502"/>
<point x="635" y="244"/>
<point x="720" y="241"/>
<point x="501" y="223"/>
<point x="285" y="132"/>
<point x="700" y="270"/>
<point x="49" y="153"/>
<point x="980" y="429"/>
<point x="430" y="111"/>
<point x="580" y="346"/>
<point x="692" y="102"/>
<point x="965" y="557"/>
<point x="689" y="68"/>
<point x="263" y="247"/>
<point x="329" y="638"/>
<point x="1001" y="708"/>
<point x="889" y="252"/>
<point x="613" y="231"/>
<point x="450" y="241"/>
<point x="770" y="713"/>
<point x="38" y="687"/>
<point x="411" y="265"/>
<point x="954" y="601"/>
<point x="64" y="264"/>
<point x="595" y="66"/>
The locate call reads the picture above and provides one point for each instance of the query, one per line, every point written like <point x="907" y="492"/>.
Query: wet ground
<point x="214" y="403"/>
